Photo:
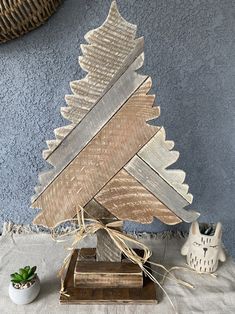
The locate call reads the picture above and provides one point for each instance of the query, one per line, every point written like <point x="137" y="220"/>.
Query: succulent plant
<point x="24" y="275"/>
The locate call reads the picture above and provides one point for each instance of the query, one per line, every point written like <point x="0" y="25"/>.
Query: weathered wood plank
<point x="158" y="154"/>
<point x="87" y="254"/>
<point x="106" y="250"/>
<point x="107" y="275"/>
<point x="92" y="123"/>
<point x="108" y="51"/>
<point x="95" y="210"/>
<point x="160" y="188"/>
<point x="144" y="295"/>
<point x="127" y="199"/>
<point x="101" y="159"/>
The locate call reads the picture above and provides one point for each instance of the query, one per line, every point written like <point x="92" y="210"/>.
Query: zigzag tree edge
<point x="128" y="199"/>
<point x="108" y="48"/>
<point x="92" y="123"/>
<point x="158" y="154"/>
<point x="122" y="54"/>
<point x="87" y="95"/>
<point x="149" y="187"/>
<point x="101" y="159"/>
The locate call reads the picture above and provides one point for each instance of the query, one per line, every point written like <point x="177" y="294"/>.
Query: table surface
<point x="210" y="295"/>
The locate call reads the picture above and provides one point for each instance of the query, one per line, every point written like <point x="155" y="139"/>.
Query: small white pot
<point x="203" y="251"/>
<point x="24" y="296"/>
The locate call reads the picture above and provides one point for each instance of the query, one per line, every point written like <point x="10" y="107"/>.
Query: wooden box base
<point x="144" y="295"/>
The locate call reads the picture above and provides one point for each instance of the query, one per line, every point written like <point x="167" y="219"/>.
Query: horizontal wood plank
<point x="106" y="268"/>
<point x="107" y="275"/>
<point x="87" y="255"/>
<point x="144" y="295"/>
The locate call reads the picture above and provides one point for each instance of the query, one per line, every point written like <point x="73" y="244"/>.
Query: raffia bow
<point x="89" y="226"/>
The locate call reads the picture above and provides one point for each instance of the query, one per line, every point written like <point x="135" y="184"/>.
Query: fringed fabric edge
<point x="10" y="228"/>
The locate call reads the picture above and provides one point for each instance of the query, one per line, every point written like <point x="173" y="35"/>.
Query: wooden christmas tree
<point x="110" y="159"/>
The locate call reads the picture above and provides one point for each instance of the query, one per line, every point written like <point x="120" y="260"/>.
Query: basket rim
<point x="18" y="3"/>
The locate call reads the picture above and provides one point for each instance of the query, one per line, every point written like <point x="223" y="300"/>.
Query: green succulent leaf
<point x="21" y="271"/>
<point x="27" y="268"/>
<point x="25" y="274"/>
<point x="32" y="270"/>
<point x="31" y="277"/>
<point x="18" y="277"/>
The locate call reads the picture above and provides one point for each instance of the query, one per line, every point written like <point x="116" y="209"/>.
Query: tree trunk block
<point x="106" y="250"/>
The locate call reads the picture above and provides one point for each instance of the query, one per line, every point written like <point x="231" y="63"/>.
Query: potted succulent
<point x="24" y="286"/>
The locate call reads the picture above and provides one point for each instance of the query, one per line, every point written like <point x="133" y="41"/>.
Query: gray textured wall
<point x="189" y="51"/>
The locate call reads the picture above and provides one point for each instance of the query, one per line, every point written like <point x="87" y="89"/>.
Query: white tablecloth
<point x="210" y="296"/>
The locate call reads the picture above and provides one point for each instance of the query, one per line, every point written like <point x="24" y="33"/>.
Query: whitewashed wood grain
<point x="111" y="49"/>
<point x="127" y="199"/>
<point x="116" y="143"/>
<point x="96" y="211"/>
<point x="160" y="188"/>
<point x="106" y="249"/>
<point x="158" y="154"/>
<point x="92" y="123"/>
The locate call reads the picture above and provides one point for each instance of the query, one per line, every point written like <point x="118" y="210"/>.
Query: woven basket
<point x="18" y="17"/>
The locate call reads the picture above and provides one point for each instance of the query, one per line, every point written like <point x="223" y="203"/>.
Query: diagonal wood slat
<point x="127" y="199"/>
<point x="116" y="143"/>
<point x="80" y="136"/>
<point x="109" y="158"/>
<point x="104" y="58"/>
<point x="158" y="154"/>
<point x="160" y="188"/>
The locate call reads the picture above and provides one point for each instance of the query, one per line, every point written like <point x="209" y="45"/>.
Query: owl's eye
<point x="196" y="244"/>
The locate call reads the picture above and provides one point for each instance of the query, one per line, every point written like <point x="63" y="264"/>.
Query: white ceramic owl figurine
<point x="204" y="251"/>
